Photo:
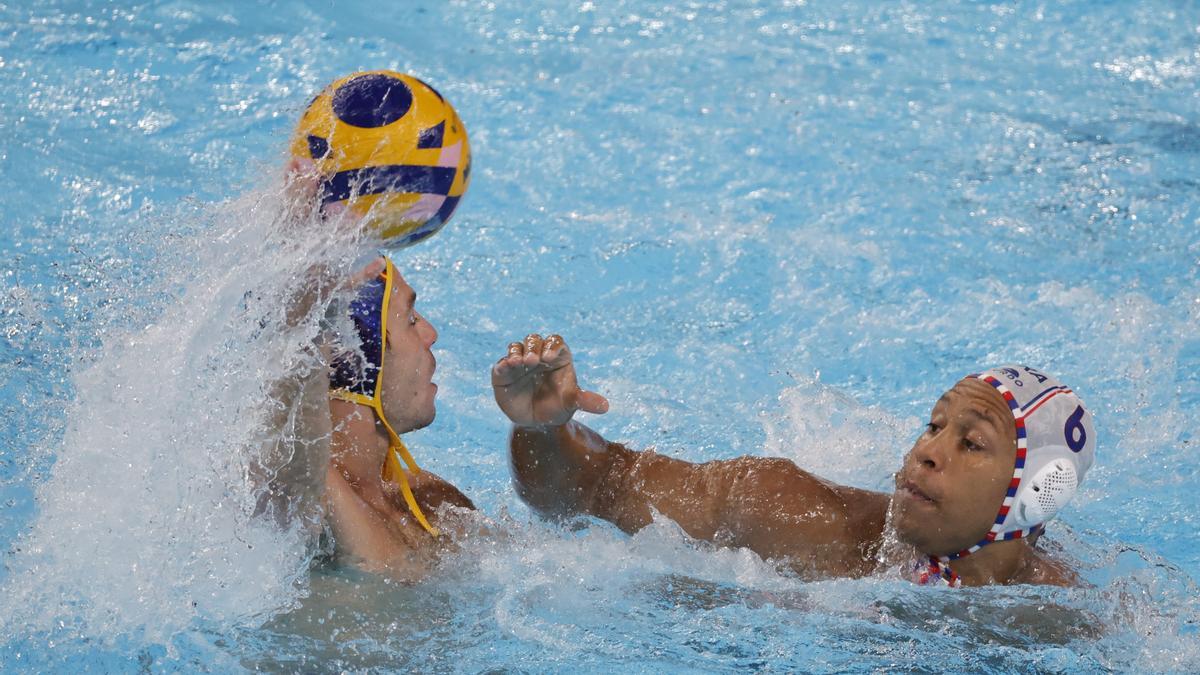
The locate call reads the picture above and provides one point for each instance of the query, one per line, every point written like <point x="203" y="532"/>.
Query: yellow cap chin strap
<point x="392" y="470"/>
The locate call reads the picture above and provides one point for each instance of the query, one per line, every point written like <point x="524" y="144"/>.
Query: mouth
<point x="909" y="490"/>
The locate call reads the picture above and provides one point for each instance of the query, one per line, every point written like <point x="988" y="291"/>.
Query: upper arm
<point x="766" y="504"/>
<point x="290" y="466"/>
<point x="778" y="510"/>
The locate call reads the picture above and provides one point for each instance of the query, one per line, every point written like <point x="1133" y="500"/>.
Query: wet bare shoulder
<point x="1047" y="570"/>
<point x="433" y="492"/>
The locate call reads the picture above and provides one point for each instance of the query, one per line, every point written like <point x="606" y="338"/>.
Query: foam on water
<point x="580" y="599"/>
<point x="836" y="437"/>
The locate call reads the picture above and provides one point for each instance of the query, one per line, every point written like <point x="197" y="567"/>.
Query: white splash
<point x="146" y="521"/>
<point x="828" y="433"/>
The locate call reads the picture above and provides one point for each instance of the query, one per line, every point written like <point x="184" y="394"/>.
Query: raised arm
<point x="769" y="505"/>
<point x="290" y="467"/>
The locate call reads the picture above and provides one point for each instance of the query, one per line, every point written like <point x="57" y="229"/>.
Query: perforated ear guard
<point x="1047" y="491"/>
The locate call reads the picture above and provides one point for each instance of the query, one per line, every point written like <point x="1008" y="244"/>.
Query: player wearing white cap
<point x="1003" y="452"/>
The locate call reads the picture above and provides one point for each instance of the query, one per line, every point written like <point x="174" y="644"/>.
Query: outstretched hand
<point x="535" y="385"/>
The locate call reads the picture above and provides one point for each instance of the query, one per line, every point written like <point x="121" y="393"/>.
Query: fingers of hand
<point x="532" y="355"/>
<point x="301" y="178"/>
<point x="555" y="352"/>
<point x="511" y="366"/>
<point x="590" y="401"/>
<point x="301" y="165"/>
<point x="533" y="349"/>
<point x="515" y="349"/>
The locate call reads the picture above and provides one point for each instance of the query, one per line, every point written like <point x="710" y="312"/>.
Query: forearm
<point x="571" y="470"/>
<point x="298" y="432"/>
<point x="768" y="505"/>
<point x="765" y="504"/>
<point x="559" y="470"/>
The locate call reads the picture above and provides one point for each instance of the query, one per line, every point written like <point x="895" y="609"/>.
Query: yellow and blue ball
<point x="391" y="149"/>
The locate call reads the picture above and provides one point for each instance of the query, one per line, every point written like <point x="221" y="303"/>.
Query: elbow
<point x="565" y="472"/>
<point x="550" y="499"/>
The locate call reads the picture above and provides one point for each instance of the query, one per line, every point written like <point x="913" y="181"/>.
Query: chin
<point x="427" y="418"/>
<point x="906" y="533"/>
<point x="411" y="419"/>
<point x="929" y="540"/>
<point x="922" y="544"/>
<point x="913" y="530"/>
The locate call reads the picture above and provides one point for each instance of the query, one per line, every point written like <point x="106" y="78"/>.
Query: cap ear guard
<point x="1056" y="446"/>
<point x="1041" y="496"/>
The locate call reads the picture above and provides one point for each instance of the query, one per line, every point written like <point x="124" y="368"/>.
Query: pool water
<point x="765" y="228"/>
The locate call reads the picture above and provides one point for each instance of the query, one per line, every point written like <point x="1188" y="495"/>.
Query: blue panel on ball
<point x="431" y="226"/>
<point x="446" y="211"/>
<point x="373" y="180"/>
<point x="372" y="100"/>
<point x="317" y="147"/>
<point x="421" y="234"/>
<point x="432" y="137"/>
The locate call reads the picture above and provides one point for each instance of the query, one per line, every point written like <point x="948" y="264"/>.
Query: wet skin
<point x="953" y="480"/>
<point x="408" y="387"/>
<point x="948" y="490"/>
<point x="371" y="523"/>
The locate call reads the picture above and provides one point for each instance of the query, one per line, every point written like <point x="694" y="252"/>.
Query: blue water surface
<point x="775" y="228"/>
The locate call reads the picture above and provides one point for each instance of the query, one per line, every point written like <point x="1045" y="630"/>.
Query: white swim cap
<point x="1056" y="445"/>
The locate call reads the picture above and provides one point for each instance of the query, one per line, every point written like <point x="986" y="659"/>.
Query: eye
<point x="972" y="445"/>
<point x="932" y="428"/>
<point x="413" y="318"/>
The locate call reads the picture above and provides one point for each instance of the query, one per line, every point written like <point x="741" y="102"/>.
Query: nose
<point x="431" y="334"/>
<point x="931" y="451"/>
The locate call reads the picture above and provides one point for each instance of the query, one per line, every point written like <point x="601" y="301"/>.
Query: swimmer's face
<point x="955" y="477"/>
<point x="408" y="364"/>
